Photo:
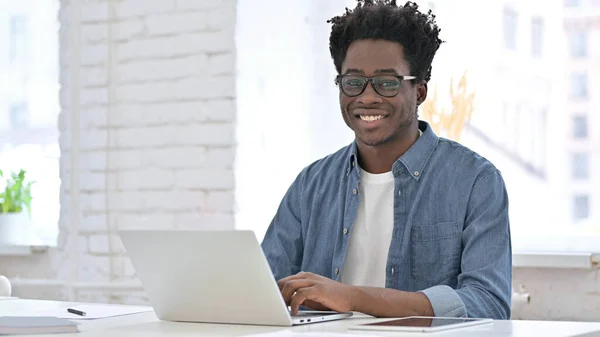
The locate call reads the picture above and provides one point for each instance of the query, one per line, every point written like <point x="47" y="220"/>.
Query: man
<point x="400" y="222"/>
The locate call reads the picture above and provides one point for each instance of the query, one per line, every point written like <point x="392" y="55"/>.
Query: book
<point x="22" y="325"/>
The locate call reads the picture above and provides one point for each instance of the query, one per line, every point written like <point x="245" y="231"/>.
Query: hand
<point x="315" y="292"/>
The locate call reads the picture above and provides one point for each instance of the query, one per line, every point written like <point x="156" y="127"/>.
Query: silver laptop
<point x="211" y="277"/>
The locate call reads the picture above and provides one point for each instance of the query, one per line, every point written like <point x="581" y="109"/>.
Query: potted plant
<point x="15" y="208"/>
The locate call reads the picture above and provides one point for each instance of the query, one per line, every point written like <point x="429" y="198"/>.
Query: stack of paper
<point x="22" y="325"/>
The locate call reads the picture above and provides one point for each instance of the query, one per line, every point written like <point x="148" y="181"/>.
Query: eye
<point x="389" y="84"/>
<point x="353" y="82"/>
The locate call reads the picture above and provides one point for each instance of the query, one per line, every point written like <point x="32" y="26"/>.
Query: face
<point x="376" y="119"/>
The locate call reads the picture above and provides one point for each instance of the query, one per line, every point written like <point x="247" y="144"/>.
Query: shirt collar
<point x="414" y="159"/>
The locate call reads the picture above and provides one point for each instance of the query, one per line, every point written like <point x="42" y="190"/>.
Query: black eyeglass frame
<point x="338" y="82"/>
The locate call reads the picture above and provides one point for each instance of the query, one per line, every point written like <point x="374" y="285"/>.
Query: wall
<point x="147" y="129"/>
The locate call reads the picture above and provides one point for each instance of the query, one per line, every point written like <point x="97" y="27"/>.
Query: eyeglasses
<point x="384" y="85"/>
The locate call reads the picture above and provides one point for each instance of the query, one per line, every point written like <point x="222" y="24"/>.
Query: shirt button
<point x="345" y="231"/>
<point x="353" y="164"/>
<point x="416" y="173"/>
<point x="392" y="271"/>
<point x="399" y="192"/>
<point x="354" y="191"/>
<point x="337" y="271"/>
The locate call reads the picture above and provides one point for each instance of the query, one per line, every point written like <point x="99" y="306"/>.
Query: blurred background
<point x="199" y="114"/>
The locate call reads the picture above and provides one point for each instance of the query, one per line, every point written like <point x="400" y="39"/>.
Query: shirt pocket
<point x="436" y="251"/>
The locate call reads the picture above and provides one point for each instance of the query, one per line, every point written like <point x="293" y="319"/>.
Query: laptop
<point x="211" y="277"/>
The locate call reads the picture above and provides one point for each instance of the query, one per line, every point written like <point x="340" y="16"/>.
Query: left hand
<point x="315" y="292"/>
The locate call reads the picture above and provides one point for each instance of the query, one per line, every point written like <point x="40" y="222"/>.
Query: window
<point x="580" y="127"/>
<point x="572" y="3"/>
<point x="581" y="207"/>
<point x="537" y="36"/>
<point x="18" y="115"/>
<point x="29" y="106"/>
<point x="580" y="166"/>
<point x="579" y="85"/>
<point x="18" y="39"/>
<point x="510" y="28"/>
<point x="578" y="43"/>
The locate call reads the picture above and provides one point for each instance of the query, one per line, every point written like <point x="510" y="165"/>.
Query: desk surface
<point x="147" y="325"/>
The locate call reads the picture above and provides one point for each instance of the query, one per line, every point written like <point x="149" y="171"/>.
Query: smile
<point x="371" y="118"/>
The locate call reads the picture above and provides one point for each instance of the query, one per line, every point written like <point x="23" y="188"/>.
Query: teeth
<point x="370" y="118"/>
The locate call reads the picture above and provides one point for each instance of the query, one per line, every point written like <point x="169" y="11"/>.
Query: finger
<point x="304" y="294"/>
<point x="299" y="276"/>
<point x="293" y="286"/>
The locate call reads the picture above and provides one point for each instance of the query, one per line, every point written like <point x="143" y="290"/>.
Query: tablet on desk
<point x="422" y="324"/>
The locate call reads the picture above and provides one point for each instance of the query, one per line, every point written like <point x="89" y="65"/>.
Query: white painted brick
<point x="93" y="202"/>
<point x="172" y="23"/>
<point x="176" y="157"/>
<point x="161" y="113"/>
<point x="214" y="87"/>
<point x="82" y="244"/>
<point x="222" y="16"/>
<point x="93" y="97"/>
<point x="178" y="45"/>
<point x="92" y="296"/>
<point x="222" y="64"/>
<point x="93" y="268"/>
<point x="132" y="8"/>
<point x="93" y="223"/>
<point x="148" y="178"/>
<point x="64" y="122"/>
<point x="94" y="11"/>
<point x="221" y="110"/>
<point x="93" y="117"/>
<point x="129" y="29"/>
<point x="174" y="200"/>
<point x="162" y="69"/>
<point x="199" y="220"/>
<point x="100" y="244"/>
<point x="93" y="55"/>
<point x="64" y="96"/>
<point x="146" y="220"/>
<point x="92" y="161"/>
<point x="93" y="76"/>
<point x="146" y="137"/>
<point x="220" y="201"/>
<point x="127" y="159"/>
<point x="204" y="179"/>
<point x="206" y="134"/>
<point x="126" y="201"/>
<point x="97" y="182"/>
<point x="94" y="140"/>
<point x="198" y="4"/>
<point x="93" y="33"/>
<point x="218" y="158"/>
<point x="145" y="92"/>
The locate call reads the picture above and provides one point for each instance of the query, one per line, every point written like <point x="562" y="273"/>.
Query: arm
<point x="283" y="244"/>
<point x="485" y="283"/>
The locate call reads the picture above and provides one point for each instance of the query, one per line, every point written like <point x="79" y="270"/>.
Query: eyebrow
<point x="378" y="71"/>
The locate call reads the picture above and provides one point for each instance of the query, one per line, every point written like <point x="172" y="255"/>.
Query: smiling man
<point x="400" y="222"/>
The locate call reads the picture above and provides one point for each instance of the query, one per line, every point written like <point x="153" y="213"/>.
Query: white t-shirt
<point x="369" y="243"/>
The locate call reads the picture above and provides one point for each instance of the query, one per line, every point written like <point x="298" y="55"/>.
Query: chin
<point x="370" y="141"/>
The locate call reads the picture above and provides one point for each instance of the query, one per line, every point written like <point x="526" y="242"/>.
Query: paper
<point x="92" y="311"/>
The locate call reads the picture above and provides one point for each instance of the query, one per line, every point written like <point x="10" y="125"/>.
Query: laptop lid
<point x="206" y="276"/>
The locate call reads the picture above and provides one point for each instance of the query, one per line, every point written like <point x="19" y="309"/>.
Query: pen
<point x="76" y="312"/>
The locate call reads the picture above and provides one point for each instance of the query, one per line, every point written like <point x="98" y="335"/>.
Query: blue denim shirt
<point x="451" y="236"/>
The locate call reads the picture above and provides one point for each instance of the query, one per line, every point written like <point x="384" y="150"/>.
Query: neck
<point x="380" y="158"/>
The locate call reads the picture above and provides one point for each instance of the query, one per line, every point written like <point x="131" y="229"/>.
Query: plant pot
<point x="14" y="228"/>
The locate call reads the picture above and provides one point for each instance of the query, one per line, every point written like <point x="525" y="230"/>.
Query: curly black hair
<point x="417" y="32"/>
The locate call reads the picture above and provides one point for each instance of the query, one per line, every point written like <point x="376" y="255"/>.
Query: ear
<point x="421" y="92"/>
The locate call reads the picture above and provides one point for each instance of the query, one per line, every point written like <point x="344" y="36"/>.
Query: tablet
<point x="422" y="324"/>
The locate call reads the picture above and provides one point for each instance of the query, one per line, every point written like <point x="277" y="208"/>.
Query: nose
<point x="369" y="96"/>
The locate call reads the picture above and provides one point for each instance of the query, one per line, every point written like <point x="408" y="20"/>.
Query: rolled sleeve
<point x="445" y="301"/>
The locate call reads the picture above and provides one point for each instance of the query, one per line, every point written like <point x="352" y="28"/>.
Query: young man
<point x="400" y="222"/>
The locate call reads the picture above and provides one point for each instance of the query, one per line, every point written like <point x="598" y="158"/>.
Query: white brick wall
<point x="154" y="141"/>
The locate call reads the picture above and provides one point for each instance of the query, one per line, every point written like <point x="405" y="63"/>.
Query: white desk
<point x="147" y="325"/>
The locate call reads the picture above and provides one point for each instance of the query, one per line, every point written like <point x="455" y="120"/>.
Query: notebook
<point x="10" y="325"/>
